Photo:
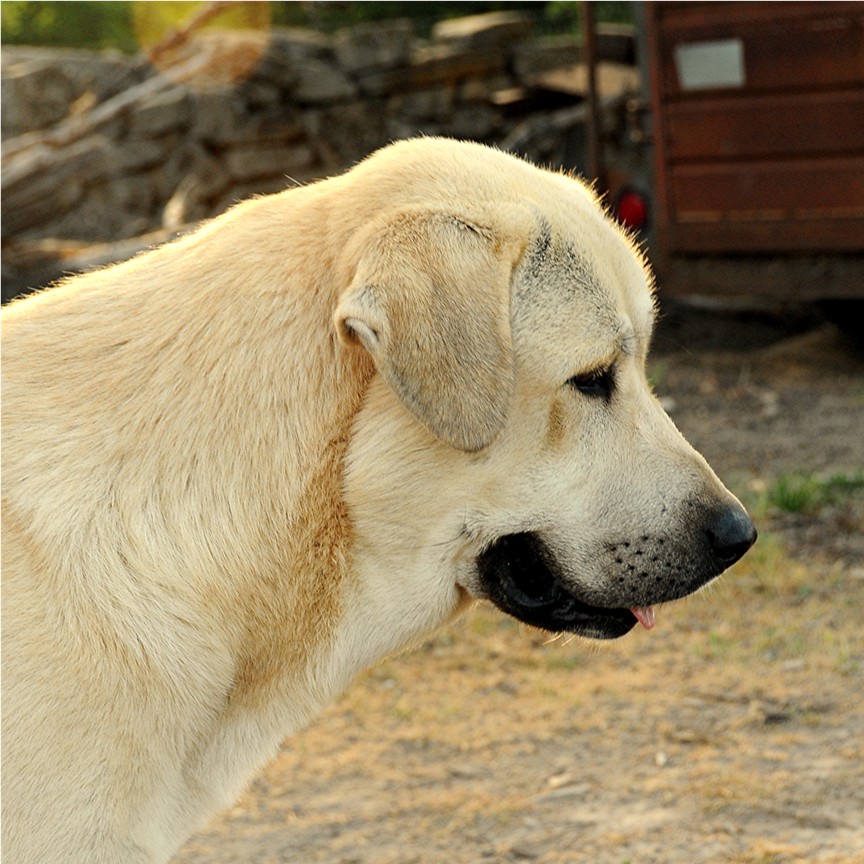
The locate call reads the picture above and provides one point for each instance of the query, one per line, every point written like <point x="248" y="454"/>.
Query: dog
<point x="243" y="467"/>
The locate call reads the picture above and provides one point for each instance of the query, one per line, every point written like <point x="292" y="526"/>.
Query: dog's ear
<point x="430" y="302"/>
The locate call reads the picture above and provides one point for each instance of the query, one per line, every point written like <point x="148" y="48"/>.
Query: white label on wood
<point x="708" y="65"/>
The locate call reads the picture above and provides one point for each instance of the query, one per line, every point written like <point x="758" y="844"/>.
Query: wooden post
<point x="594" y="146"/>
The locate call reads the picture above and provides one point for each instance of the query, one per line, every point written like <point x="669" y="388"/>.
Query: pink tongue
<point x="645" y="616"/>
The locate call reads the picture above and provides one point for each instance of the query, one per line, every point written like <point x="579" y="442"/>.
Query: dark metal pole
<point x="594" y="147"/>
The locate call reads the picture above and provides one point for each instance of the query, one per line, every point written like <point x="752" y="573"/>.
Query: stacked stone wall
<point x="100" y="147"/>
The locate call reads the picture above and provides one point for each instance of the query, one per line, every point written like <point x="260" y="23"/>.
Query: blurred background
<point x="124" y="119"/>
<point x="729" y="137"/>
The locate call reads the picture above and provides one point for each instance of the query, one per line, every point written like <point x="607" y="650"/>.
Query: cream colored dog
<point x="242" y="467"/>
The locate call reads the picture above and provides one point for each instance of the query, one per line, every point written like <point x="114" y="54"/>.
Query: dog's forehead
<point x="580" y="294"/>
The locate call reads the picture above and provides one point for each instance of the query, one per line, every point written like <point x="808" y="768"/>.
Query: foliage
<point x="567" y="15"/>
<point x="72" y="24"/>
<point x="806" y="493"/>
<point x="155" y="21"/>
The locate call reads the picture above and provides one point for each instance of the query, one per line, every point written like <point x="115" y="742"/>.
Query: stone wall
<point x="99" y="147"/>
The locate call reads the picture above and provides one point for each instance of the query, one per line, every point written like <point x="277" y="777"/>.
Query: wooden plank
<point x="659" y="120"/>
<point x="779" y="125"/>
<point x="822" y="48"/>
<point x="787" y="278"/>
<point x="776" y="236"/>
<point x="776" y="189"/>
<point x="704" y="18"/>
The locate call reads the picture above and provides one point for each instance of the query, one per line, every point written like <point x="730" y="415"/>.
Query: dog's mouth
<point x="517" y="574"/>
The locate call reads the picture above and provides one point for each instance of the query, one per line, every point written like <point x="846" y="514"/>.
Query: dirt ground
<point x="732" y="733"/>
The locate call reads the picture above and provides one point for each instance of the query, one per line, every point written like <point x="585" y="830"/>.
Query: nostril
<point x="731" y="534"/>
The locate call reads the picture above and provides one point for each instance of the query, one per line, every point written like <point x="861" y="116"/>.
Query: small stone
<point x="162" y="113"/>
<point x="321" y="83"/>
<point x="380" y="46"/>
<point x="490" y="30"/>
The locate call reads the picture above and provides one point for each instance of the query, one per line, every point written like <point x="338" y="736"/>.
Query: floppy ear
<point x="430" y="302"/>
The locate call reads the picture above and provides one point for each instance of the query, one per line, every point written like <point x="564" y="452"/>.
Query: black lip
<point x="517" y="575"/>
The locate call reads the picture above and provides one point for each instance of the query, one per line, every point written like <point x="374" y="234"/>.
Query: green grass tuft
<point x="803" y="492"/>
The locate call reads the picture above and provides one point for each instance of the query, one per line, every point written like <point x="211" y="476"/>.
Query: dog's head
<point x="510" y="446"/>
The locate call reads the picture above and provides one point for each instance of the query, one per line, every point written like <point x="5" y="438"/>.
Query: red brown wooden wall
<point x="759" y="126"/>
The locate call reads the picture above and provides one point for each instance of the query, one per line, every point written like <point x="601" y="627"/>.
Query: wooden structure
<point x="758" y="131"/>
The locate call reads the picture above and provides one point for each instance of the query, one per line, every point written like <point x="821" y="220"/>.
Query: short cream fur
<point x="242" y="467"/>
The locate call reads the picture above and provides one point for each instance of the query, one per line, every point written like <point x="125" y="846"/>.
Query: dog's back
<point x="146" y="475"/>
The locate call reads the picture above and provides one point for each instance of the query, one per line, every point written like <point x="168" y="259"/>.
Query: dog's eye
<point x="597" y="382"/>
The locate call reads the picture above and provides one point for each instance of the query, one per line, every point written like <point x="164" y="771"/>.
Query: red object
<point x="632" y="210"/>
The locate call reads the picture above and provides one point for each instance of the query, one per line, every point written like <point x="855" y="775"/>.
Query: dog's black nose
<point x="731" y="534"/>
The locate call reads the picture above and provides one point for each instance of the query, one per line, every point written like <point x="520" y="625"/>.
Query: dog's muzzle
<point x="520" y="575"/>
<point x="517" y="573"/>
